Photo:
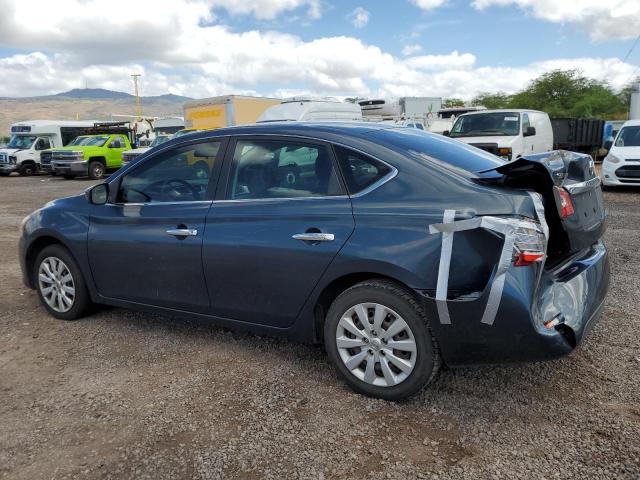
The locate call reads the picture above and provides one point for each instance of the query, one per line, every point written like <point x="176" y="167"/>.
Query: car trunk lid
<point x="554" y="175"/>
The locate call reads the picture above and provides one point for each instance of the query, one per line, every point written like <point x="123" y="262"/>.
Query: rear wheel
<point x="96" y="170"/>
<point x="60" y="284"/>
<point x="4" y="174"/>
<point x="377" y="336"/>
<point x="27" y="170"/>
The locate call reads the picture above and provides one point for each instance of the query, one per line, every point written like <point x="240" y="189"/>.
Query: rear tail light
<point x="530" y="244"/>
<point x="566" y="204"/>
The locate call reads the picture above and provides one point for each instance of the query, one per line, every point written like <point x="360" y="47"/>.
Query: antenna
<point x="135" y="77"/>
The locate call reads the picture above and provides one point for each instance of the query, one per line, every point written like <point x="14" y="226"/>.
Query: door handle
<point x="182" y="232"/>
<point x="314" y="237"/>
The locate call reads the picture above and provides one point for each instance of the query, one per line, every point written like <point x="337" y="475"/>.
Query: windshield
<point x="487" y="125"/>
<point x="98" y="141"/>
<point x="79" y="140"/>
<point x="159" y="140"/>
<point x="21" y="141"/>
<point x="629" y="137"/>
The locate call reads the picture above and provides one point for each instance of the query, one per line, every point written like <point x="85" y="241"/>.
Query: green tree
<point x="568" y="94"/>
<point x="453" y="102"/>
<point x="492" y="100"/>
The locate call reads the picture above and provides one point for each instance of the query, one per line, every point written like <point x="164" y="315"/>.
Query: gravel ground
<point x="130" y="395"/>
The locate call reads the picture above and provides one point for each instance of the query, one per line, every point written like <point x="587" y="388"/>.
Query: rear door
<point x="146" y="246"/>
<point x="279" y="219"/>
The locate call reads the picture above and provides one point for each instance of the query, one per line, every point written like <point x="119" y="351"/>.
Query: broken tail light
<point x="566" y="204"/>
<point x="530" y="244"/>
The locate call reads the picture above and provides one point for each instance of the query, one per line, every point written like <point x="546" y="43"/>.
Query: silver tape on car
<point x="443" y="269"/>
<point x="504" y="226"/>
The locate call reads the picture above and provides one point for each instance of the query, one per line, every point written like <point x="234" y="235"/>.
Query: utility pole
<point x="135" y="77"/>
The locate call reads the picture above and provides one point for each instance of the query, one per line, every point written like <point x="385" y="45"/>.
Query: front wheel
<point x="60" y="284"/>
<point x="377" y="336"/>
<point x="96" y="170"/>
<point x="27" y="170"/>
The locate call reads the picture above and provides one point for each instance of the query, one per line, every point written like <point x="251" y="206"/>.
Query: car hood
<point x="10" y="151"/>
<point x="502" y="141"/>
<point x="137" y="151"/>
<point x="625" y="153"/>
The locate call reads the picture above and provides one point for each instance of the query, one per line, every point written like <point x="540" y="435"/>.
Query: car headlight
<point x="23" y="224"/>
<point x="611" y="159"/>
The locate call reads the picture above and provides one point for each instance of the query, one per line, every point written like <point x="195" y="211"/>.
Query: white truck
<point x="509" y="134"/>
<point x="31" y="137"/>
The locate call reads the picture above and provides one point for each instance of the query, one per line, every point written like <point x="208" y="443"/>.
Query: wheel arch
<point x="338" y="285"/>
<point x="34" y="249"/>
<point x="97" y="158"/>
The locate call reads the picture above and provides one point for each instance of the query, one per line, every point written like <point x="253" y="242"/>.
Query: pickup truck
<point x="89" y="155"/>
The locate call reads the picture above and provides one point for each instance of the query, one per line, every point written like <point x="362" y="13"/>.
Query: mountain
<point x="84" y="104"/>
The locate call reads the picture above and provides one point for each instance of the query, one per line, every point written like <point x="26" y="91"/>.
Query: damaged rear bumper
<point x="572" y="293"/>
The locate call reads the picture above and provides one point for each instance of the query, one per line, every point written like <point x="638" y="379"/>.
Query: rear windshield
<point x="430" y="147"/>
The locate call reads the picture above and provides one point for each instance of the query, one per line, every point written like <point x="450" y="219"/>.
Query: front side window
<point x="629" y="137"/>
<point x="360" y="171"/>
<point x="281" y="169"/>
<point x="43" y="144"/>
<point x="117" y="142"/>
<point x="179" y="175"/>
<point x="486" y="125"/>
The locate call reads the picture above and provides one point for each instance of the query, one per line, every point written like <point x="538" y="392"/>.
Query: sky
<point x="200" y="48"/>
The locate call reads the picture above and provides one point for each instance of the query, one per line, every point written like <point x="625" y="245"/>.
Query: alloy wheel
<point x="376" y="344"/>
<point x="56" y="284"/>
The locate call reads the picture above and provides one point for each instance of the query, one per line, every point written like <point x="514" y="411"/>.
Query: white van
<point x="622" y="164"/>
<point x="302" y="109"/>
<point x="509" y="134"/>
<point x="30" y="138"/>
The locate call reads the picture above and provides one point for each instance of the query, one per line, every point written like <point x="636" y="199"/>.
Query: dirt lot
<point x="129" y="395"/>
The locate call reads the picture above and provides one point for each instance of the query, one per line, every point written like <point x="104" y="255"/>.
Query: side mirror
<point x="98" y="194"/>
<point x="608" y="144"/>
<point x="446" y="133"/>
<point x="530" y="132"/>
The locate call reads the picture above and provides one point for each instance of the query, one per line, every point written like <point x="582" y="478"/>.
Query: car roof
<point x="319" y="130"/>
<point x="631" y="123"/>
<point x="503" y="110"/>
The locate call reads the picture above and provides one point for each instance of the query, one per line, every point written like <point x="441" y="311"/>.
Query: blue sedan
<point x="398" y="250"/>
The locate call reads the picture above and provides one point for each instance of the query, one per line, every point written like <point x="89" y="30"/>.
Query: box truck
<point x="225" y="111"/>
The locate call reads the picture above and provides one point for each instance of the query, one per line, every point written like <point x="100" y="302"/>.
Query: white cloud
<point x="180" y="49"/>
<point x="411" y="49"/>
<point x="359" y="17"/>
<point x="428" y="4"/>
<point x="603" y="20"/>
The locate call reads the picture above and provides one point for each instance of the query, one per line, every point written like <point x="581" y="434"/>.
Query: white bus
<point x="31" y="137"/>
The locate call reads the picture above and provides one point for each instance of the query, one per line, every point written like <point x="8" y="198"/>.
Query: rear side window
<point x="360" y="171"/>
<point x="282" y="169"/>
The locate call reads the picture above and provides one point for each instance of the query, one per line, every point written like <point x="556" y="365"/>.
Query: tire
<point x="397" y="304"/>
<point x="28" y="169"/>
<point x="4" y="174"/>
<point x="96" y="170"/>
<point x="77" y="303"/>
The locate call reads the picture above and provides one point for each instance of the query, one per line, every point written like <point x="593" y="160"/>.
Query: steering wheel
<point x="177" y="188"/>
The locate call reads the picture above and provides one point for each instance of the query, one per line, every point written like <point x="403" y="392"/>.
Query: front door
<point x="146" y="246"/>
<point x="283" y="219"/>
